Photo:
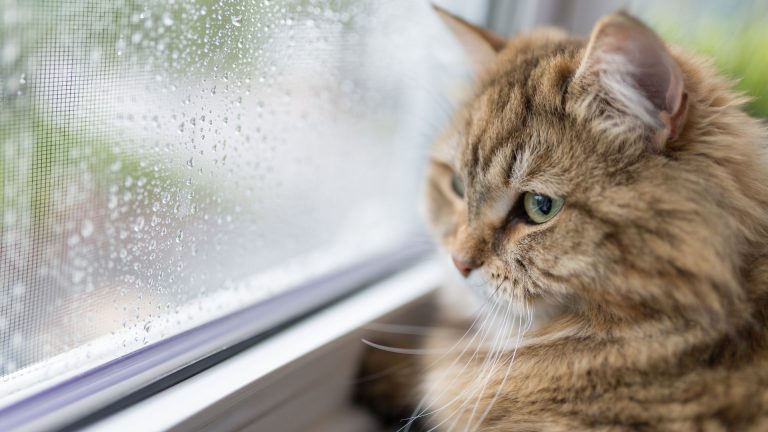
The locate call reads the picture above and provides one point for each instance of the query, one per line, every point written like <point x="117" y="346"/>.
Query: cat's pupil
<point x="543" y="203"/>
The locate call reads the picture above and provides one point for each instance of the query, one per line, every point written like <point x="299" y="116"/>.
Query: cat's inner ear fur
<point x="480" y="45"/>
<point x="629" y="66"/>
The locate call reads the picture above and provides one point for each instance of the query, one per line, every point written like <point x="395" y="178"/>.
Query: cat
<point x="606" y="199"/>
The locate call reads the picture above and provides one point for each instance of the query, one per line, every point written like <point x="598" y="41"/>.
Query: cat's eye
<point x="457" y="185"/>
<point x="541" y="208"/>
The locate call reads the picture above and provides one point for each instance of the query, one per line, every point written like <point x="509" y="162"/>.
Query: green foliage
<point x="740" y="50"/>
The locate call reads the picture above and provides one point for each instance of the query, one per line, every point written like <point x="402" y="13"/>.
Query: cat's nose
<point x="464" y="267"/>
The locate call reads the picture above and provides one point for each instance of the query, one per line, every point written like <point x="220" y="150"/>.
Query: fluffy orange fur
<point x="642" y="304"/>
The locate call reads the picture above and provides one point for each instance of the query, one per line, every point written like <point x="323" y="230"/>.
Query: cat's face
<point x="506" y="191"/>
<point x="567" y="176"/>
<point x="512" y="185"/>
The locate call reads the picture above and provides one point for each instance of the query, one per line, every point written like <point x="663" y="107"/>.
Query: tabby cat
<point x="606" y="199"/>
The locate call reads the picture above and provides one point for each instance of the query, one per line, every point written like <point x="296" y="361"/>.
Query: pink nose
<point x="464" y="267"/>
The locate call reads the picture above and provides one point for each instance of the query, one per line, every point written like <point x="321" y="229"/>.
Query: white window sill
<point x="298" y="379"/>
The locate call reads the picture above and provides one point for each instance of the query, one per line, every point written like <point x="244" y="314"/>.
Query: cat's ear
<point x="632" y="68"/>
<point x="480" y="45"/>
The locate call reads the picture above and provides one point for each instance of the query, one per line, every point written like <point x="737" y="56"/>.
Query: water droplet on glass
<point x="116" y="165"/>
<point x="235" y="20"/>
<point x="167" y="19"/>
<point x="10" y="52"/>
<point x="120" y="46"/>
<point x="139" y="224"/>
<point x="86" y="228"/>
<point x="190" y="163"/>
<point x="179" y="236"/>
<point x="78" y="276"/>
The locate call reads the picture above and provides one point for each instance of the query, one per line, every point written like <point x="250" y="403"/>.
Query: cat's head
<point x="610" y="175"/>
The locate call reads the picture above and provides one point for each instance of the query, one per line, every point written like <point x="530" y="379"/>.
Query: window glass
<point x="164" y="163"/>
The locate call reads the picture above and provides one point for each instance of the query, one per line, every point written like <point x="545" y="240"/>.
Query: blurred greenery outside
<point x="739" y="51"/>
<point x="221" y="36"/>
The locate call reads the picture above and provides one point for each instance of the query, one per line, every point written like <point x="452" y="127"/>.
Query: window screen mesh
<point x="163" y="163"/>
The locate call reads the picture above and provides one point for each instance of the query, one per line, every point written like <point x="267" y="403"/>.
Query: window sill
<point x="306" y="368"/>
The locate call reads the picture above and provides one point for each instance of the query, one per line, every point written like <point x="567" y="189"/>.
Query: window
<point x="167" y="164"/>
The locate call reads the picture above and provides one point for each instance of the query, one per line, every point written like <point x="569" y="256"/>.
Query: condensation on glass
<point x="164" y="163"/>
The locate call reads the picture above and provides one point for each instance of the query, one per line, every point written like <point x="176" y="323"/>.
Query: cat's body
<point x="654" y="274"/>
<point x="644" y="378"/>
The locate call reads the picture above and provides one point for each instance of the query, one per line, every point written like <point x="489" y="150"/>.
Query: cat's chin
<point x="536" y="310"/>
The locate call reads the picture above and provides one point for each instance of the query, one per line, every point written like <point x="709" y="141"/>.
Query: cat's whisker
<point x="406" y="329"/>
<point x="489" y="366"/>
<point x="521" y="331"/>
<point x="409" y="351"/>
<point x="421" y="410"/>
<point x="466" y="394"/>
<point x="490" y="363"/>
<point x="497" y="355"/>
<point x="480" y="317"/>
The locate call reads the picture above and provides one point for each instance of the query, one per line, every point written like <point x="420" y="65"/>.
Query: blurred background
<point x="733" y="34"/>
<point x="165" y="163"/>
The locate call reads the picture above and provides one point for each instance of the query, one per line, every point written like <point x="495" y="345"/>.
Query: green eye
<point x="457" y="185"/>
<point x="541" y="208"/>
